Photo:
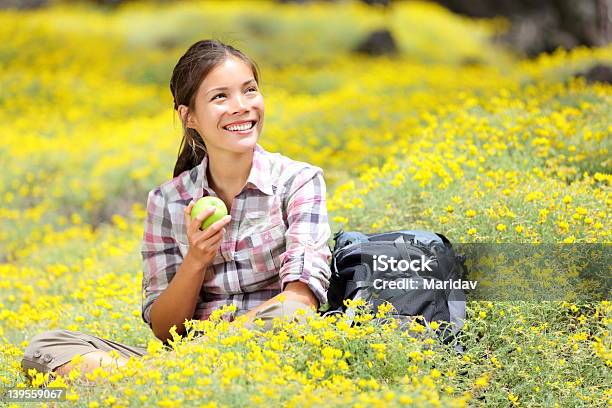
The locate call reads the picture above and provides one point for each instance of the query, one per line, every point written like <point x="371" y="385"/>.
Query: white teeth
<point x="243" y="126"/>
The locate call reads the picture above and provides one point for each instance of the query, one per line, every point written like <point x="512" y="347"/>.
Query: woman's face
<point x="228" y="96"/>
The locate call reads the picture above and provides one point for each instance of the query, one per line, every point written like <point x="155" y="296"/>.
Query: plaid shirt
<point x="278" y="234"/>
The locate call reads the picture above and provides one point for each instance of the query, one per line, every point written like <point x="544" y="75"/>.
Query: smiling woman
<point x="273" y="240"/>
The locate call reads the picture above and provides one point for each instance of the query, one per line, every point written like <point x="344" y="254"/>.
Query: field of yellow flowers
<point x="453" y="135"/>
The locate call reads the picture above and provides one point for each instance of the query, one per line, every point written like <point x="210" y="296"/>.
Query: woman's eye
<point x="251" y="89"/>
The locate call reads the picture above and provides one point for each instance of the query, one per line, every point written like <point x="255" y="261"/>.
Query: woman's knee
<point x="44" y="348"/>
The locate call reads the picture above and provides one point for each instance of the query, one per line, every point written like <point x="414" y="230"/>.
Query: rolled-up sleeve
<point x="307" y="255"/>
<point x="161" y="257"/>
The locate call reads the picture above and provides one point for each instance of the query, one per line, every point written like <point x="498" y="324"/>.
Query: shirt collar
<point x="259" y="177"/>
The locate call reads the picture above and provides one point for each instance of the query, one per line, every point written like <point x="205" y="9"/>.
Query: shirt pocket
<point x="252" y="221"/>
<point x="262" y="248"/>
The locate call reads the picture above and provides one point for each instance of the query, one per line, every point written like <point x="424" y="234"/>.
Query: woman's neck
<point x="227" y="172"/>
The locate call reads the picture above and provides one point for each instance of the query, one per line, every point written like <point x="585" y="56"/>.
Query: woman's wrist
<point x="194" y="264"/>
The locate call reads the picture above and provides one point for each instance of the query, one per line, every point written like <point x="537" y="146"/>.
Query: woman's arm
<point x="171" y="284"/>
<point x="293" y="291"/>
<point x="178" y="301"/>
<point x="307" y="255"/>
<point x="305" y="270"/>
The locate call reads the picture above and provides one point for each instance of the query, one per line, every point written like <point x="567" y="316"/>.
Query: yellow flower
<point x="482" y="381"/>
<point x="501" y="227"/>
<point x="563" y="225"/>
<point x="72" y="396"/>
<point x="378" y="346"/>
<point x="187" y="372"/>
<point x="341" y="220"/>
<point x="154" y="346"/>
<point x="384" y="309"/>
<point x="316" y="371"/>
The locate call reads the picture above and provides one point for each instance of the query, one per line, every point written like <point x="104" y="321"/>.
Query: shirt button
<point x="37" y="354"/>
<point x="47" y="358"/>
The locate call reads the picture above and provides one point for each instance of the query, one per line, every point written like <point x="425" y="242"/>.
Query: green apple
<point x="204" y="203"/>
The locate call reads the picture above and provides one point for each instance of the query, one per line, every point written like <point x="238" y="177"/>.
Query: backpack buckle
<point x="337" y="234"/>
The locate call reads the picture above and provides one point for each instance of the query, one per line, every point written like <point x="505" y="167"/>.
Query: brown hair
<point x="189" y="72"/>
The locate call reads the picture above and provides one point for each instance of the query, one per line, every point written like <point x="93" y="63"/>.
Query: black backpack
<point x="354" y="277"/>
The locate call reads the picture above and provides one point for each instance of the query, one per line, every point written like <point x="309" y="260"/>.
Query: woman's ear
<point x="185" y="116"/>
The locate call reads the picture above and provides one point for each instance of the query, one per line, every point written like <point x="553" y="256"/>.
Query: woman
<point x="273" y="241"/>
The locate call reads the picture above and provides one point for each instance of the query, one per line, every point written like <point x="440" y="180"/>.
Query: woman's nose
<point x="238" y="105"/>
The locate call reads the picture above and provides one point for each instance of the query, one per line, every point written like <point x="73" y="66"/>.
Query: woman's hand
<point x="301" y="292"/>
<point x="203" y="245"/>
<point x="295" y="290"/>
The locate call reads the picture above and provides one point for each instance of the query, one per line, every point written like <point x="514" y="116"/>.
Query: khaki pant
<point x="51" y="349"/>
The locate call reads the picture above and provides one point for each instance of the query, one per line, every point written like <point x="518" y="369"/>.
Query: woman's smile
<point x="241" y="128"/>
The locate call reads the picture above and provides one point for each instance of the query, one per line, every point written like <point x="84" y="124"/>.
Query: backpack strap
<point x="352" y="286"/>
<point x="402" y="248"/>
<point x="445" y="240"/>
